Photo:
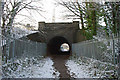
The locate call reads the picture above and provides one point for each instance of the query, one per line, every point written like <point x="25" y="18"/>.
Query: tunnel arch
<point x="53" y="46"/>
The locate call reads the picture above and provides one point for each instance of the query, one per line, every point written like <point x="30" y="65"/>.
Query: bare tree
<point x="10" y="11"/>
<point x="86" y="12"/>
<point x="12" y="8"/>
<point x="0" y="29"/>
<point x="76" y="8"/>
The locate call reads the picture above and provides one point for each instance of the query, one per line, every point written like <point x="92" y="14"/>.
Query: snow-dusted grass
<point x="30" y="68"/>
<point x="83" y="67"/>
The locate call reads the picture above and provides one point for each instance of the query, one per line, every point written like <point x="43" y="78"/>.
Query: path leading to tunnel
<point x="59" y="64"/>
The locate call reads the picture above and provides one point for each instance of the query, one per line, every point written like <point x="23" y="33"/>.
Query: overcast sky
<point x="50" y="10"/>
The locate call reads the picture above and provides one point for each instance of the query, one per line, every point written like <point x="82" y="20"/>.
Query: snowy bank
<point x="83" y="67"/>
<point x="77" y="71"/>
<point x="30" y="68"/>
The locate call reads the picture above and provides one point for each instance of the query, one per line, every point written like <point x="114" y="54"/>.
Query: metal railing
<point x="105" y="50"/>
<point x="18" y="48"/>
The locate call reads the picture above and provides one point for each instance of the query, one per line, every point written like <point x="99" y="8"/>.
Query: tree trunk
<point x="82" y="23"/>
<point x="94" y="23"/>
<point x="81" y="16"/>
<point x="114" y="19"/>
<point x="118" y="24"/>
<point x="0" y="25"/>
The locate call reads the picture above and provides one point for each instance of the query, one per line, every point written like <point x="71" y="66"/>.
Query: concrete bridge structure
<point x="55" y="34"/>
<point x="48" y="39"/>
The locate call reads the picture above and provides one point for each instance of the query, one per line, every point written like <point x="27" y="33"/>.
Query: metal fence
<point x="18" y="48"/>
<point x="105" y="50"/>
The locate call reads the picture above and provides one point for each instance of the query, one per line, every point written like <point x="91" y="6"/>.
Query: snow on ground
<point x="90" y="68"/>
<point x="30" y="68"/>
<point x="77" y="71"/>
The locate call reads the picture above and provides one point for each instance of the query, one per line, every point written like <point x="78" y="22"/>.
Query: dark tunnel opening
<point x="55" y="44"/>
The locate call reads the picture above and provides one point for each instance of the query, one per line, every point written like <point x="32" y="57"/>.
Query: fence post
<point x="113" y="48"/>
<point x="7" y="48"/>
<point x="119" y="38"/>
<point x="36" y="47"/>
<point x="13" y="51"/>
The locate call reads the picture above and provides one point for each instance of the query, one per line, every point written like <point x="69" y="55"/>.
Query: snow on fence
<point x="105" y="50"/>
<point x="18" y="48"/>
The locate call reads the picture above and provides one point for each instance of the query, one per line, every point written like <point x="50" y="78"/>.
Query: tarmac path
<point x="59" y="64"/>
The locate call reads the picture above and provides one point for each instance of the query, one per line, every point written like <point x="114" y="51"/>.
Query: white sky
<point x="50" y="9"/>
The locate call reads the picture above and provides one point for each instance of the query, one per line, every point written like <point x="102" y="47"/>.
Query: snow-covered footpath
<point x="39" y="67"/>
<point x="30" y="68"/>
